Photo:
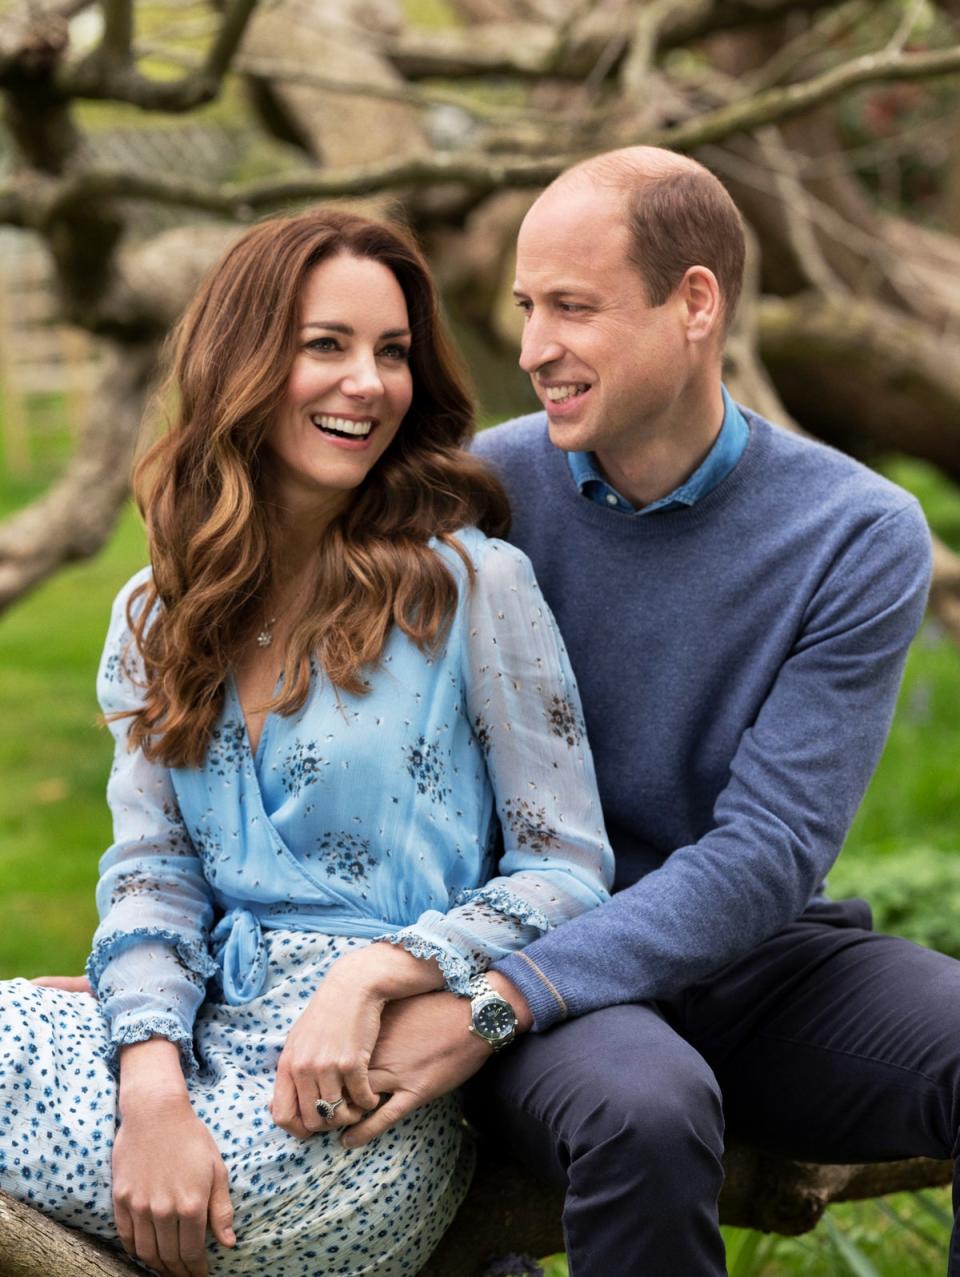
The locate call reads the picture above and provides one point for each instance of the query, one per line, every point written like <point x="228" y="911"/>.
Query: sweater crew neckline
<point x="667" y="523"/>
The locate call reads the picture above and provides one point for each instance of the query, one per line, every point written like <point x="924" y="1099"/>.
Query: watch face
<point x="495" y="1020"/>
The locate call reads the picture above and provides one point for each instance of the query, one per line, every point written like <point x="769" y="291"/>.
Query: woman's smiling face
<point x="350" y="385"/>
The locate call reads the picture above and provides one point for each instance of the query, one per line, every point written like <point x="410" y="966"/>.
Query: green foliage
<point x="913" y="893"/>
<point x="940" y="499"/>
<point x="54" y="759"/>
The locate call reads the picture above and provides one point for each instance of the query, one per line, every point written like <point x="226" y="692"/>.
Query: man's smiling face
<point x="607" y="366"/>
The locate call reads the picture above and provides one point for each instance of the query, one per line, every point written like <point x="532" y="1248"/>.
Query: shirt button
<point x="611" y="499"/>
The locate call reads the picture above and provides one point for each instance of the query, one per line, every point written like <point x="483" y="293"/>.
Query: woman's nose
<point x="363" y="378"/>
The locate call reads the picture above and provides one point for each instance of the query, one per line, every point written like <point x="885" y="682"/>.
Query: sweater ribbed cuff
<point x="544" y="999"/>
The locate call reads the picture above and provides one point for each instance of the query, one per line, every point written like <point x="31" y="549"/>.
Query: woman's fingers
<point x="125" y="1232"/>
<point x="69" y="983"/>
<point x="221" y="1209"/>
<point x="145" y="1240"/>
<point x="193" y="1243"/>
<point x="166" y="1226"/>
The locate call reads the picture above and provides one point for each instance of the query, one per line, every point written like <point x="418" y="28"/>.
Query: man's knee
<point x="618" y="1082"/>
<point x="651" y="1111"/>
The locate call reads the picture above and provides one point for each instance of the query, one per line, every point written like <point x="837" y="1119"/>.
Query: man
<point x="737" y="604"/>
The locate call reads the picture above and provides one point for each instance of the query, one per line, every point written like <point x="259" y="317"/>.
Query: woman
<point x="320" y="691"/>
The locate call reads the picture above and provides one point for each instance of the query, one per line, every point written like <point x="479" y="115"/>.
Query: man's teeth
<point x="557" y="394"/>
<point x="360" y="429"/>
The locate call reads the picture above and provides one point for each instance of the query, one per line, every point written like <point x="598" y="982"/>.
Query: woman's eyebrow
<point x="347" y="331"/>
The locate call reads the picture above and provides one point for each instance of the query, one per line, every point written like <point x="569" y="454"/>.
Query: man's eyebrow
<point x="332" y="327"/>
<point x="557" y="294"/>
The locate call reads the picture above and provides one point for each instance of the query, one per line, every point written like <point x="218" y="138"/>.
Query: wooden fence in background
<point x="37" y="355"/>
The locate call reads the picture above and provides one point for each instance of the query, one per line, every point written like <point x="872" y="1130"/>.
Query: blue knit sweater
<point x="738" y="663"/>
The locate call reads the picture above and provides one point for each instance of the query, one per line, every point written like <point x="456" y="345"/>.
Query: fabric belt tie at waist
<point x="242" y="952"/>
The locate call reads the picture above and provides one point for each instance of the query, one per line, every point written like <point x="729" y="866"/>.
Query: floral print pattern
<point x="528" y="824"/>
<point x="565" y="720"/>
<point x="426" y="765"/>
<point x="227" y="749"/>
<point x="302" y="766"/>
<point x="346" y="856"/>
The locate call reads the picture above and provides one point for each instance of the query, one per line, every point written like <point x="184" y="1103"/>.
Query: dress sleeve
<point x="150" y="962"/>
<point x="524" y="708"/>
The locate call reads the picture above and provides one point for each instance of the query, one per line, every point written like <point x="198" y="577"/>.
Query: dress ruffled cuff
<point x="194" y="955"/>
<point x="509" y="903"/>
<point x="457" y="972"/>
<point x="140" y="1028"/>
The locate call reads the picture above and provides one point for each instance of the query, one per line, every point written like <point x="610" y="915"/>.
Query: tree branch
<point x="98" y="78"/>
<point x="776" y="105"/>
<point x="74" y="517"/>
<point x="864" y="376"/>
<point x="532" y="50"/>
<point x="117" y="31"/>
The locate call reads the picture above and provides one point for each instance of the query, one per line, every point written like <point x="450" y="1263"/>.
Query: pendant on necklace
<point x="265" y="637"/>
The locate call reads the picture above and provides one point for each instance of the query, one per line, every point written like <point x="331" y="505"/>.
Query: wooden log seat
<point x="508" y="1212"/>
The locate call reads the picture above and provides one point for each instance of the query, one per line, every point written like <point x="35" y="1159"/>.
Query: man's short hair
<point x="679" y="215"/>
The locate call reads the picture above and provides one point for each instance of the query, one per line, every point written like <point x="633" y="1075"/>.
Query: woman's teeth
<point x="557" y="394"/>
<point x="342" y="426"/>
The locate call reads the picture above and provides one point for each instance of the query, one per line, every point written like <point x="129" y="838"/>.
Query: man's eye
<point x="521" y="303"/>
<point x="571" y="308"/>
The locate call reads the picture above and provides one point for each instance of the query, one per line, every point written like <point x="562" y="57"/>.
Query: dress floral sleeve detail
<point x="521" y="700"/>
<point x="150" y="958"/>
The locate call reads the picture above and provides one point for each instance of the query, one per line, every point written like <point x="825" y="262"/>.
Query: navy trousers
<point x="829" y="1042"/>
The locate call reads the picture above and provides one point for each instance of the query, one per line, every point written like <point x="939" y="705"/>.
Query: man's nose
<point x="363" y="378"/>
<point x="538" y="346"/>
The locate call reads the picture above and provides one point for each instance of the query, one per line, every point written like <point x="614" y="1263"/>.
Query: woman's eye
<point x="400" y="353"/>
<point x="323" y="344"/>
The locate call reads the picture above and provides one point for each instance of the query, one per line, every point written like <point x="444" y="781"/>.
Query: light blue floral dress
<point x="230" y="889"/>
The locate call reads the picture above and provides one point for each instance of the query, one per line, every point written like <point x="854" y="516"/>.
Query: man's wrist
<point x="510" y="993"/>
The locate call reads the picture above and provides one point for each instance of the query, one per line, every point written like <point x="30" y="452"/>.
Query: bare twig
<point x="530" y="52"/>
<point x="98" y="79"/>
<point x="776" y="105"/>
<point x="905" y="26"/>
<point x="117" y="31"/>
<point x="812" y="41"/>
<point x="635" y="68"/>
<point x="796" y="203"/>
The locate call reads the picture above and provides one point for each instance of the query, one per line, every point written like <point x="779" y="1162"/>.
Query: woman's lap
<point x="298" y="1204"/>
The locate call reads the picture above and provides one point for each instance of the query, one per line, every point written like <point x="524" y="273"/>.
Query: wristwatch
<point x="491" y="1017"/>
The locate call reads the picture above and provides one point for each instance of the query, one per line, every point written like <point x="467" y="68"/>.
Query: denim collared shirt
<point x="719" y="461"/>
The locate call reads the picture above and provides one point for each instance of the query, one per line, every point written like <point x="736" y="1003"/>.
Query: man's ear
<point x="703" y="305"/>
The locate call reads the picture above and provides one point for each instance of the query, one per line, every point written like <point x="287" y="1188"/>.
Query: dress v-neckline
<point x="254" y="752"/>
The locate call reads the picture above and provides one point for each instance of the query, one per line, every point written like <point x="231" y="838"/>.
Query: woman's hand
<point x="327" y="1053"/>
<point x="169" y="1180"/>
<point x="69" y="983"/>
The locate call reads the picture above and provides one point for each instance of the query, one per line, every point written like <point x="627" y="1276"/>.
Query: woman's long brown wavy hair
<point x="200" y="489"/>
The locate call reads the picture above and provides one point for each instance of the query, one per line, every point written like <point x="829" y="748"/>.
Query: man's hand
<point x="328" y="1050"/>
<point x="426" y="1049"/>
